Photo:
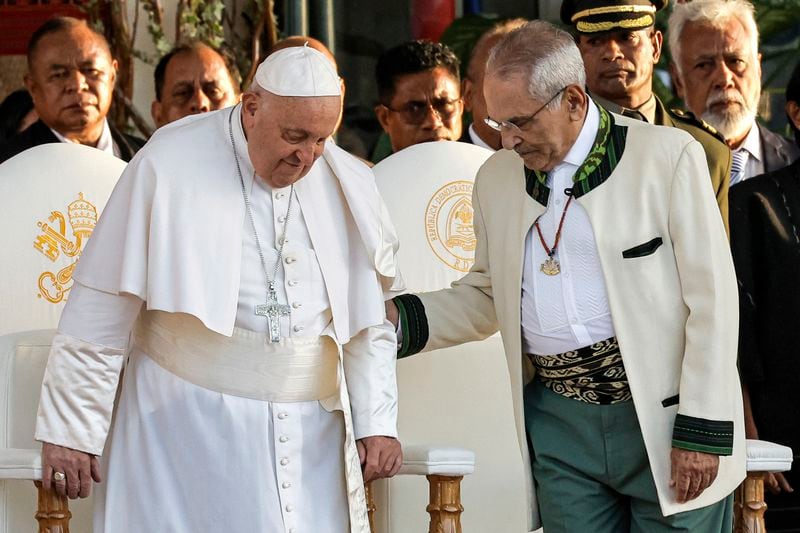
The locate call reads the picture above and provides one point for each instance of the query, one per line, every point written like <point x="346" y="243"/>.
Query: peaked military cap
<point x="595" y="16"/>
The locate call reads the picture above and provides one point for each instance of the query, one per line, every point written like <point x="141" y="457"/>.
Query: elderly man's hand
<point x="380" y="457"/>
<point x="392" y="314"/>
<point x="79" y="469"/>
<point x="692" y="473"/>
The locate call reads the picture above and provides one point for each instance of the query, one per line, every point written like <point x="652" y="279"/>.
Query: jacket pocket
<point x="672" y="400"/>
<point x="643" y="249"/>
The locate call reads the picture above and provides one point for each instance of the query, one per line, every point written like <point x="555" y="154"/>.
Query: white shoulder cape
<point x="171" y="233"/>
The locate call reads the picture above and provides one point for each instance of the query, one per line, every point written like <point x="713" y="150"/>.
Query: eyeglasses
<point x="518" y="124"/>
<point x="416" y="112"/>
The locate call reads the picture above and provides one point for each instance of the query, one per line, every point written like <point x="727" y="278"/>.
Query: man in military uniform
<point x="620" y="48"/>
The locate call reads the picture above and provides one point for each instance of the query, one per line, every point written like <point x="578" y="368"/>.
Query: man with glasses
<point x="71" y="77"/>
<point x="620" y="47"/>
<point x="419" y="94"/>
<point x="605" y="265"/>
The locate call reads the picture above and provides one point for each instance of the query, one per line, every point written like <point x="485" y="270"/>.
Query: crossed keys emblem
<point x="54" y="241"/>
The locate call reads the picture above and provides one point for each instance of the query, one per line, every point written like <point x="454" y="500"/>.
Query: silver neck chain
<point x="246" y="197"/>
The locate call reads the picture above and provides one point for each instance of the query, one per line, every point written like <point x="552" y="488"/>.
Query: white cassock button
<point x="281" y="219"/>
<point x="284" y="461"/>
<point x="291" y="530"/>
<point x="280" y="195"/>
<point x="289" y="508"/>
<point x="284" y="438"/>
<point x="296" y="304"/>
<point x="282" y="415"/>
<point x="290" y="260"/>
<point x="293" y="282"/>
<point x="286" y="485"/>
<point x="298" y="328"/>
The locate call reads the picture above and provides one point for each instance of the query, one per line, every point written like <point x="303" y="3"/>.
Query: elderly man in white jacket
<point x="602" y="259"/>
<point x="261" y="365"/>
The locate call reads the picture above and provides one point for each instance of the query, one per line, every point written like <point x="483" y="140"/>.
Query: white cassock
<point x="184" y="458"/>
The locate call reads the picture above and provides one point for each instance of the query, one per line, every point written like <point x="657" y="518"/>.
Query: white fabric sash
<point x="245" y="364"/>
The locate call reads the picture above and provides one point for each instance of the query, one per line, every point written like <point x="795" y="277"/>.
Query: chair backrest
<point x="459" y="396"/>
<point x="52" y="197"/>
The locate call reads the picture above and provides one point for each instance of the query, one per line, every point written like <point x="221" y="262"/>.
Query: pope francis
<point x="259" y="386"/>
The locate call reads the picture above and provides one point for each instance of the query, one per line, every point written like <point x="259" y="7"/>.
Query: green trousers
<point x="592" y="474"/>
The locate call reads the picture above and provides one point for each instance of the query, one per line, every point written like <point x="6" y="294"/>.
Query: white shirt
<point x="569" y="310"/>
<point x="755" y="160"/>
<point x="476" y="139"/>
<point x="105" y="142"/>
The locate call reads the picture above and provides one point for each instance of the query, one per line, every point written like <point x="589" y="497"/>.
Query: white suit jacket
<point x="671" y="288"/>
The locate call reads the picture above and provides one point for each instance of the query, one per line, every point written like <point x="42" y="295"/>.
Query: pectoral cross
<point x="273" y="311"/>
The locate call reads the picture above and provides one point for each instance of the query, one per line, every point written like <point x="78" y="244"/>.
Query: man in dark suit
<point x="71" y="77"/>
<point x="717" y="72"/>
<point x="765" y="244"/>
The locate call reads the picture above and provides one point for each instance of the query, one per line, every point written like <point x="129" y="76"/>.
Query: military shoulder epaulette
<point x="689" y="118"/>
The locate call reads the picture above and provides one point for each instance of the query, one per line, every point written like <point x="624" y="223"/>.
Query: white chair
<point x="762" y="458"/>
<point x="445" y="396"/>
<point x="23" y="357"/>
<point x="444" y="469"/>
<point x="52" y="197"/>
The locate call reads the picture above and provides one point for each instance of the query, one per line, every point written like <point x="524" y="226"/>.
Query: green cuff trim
<point x="702" y="435"/>
<point x="414" y="324"/>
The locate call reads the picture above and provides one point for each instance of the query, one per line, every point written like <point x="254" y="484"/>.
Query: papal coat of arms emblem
<point x="54" y="240"/>
<point x="449" y="225"/>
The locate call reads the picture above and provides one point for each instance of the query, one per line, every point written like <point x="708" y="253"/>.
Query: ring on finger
<point x="59" y="476"/>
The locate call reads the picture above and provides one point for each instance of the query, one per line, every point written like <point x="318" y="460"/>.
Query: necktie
<point x="738" y="165"/>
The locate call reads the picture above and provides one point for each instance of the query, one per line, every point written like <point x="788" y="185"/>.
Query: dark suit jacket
<point x="765" y="241"/>
<point x="777" y="151"/>
<point x="39" y="133"/>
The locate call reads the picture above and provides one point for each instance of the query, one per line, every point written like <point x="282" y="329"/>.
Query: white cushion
<point x="763" y="456"/>
<point x="432" y="460"/>
<point x="21" y="464"/>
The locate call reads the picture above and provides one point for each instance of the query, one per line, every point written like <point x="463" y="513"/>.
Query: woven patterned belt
<point x="592" y="374"/>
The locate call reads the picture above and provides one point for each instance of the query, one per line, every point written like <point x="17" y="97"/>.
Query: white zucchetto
<point x="298" y="71"/>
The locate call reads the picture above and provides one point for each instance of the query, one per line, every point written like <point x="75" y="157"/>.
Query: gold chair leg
<point x="445" y="504"/>
<point x="749" y="506"/>
<point x="53" y="513"/>
<point x="370" y="505"/>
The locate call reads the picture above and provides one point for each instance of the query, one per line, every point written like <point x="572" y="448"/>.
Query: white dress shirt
<point x="569" y="310"/>
<point x="105" y="142"/>
<point x="754" y="165"/>
<point x="476" y="139"/>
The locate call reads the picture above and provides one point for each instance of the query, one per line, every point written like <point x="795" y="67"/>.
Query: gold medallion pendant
<point x="551" y="266"/>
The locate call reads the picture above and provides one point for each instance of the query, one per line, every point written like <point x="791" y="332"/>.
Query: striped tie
<point x="738" y="165"/>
